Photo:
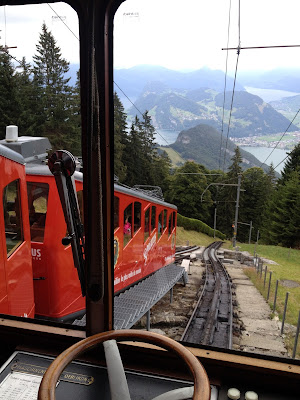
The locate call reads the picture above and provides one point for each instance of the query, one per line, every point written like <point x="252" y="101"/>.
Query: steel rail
<point x="211" y="322"/>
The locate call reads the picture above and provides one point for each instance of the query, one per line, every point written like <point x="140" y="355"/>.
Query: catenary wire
<point x="116" y="83"/>
<point x="234" y="83"/>
<point x="225" y="85"/>
<point x="281" y="139"/>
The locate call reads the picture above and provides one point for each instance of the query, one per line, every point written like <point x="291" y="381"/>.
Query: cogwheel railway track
<point x="211" y="321"/>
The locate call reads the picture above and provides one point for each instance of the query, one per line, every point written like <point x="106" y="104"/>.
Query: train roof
<point x="141" y="195"/>
<point x="42" y="169"/>
<point x="32" y="148"/>
<point x="11" y="155"/>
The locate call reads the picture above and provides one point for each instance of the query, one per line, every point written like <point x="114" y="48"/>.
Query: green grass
<point x="194" y="238"/>
<point x="288" y="268"/>
<point x="174" y="156"/>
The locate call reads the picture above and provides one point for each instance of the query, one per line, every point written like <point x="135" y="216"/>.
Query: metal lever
<point x="62" y="165"/>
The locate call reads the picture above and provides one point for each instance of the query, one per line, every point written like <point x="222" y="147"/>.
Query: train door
<point x="16" y="266"/>
<point x="150" y="240"/>
<point x="56" y="284"/>
<point x="131" y="267"/>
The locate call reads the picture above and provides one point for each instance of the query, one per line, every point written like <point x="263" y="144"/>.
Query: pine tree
<point x="292" y="164"/>
<point x="8" y="93"/>
<point x="186" y="188"/>
<point x="120" y="138"/>
<point x="228" y="195"/>
<point x="55" y="94"/>
<point x="31" y="114"/>
<point x="253" y="201"/>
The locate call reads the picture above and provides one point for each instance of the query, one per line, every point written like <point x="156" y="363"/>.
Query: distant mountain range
<point x="279" y="79"/>
<point x="175" y="109"/>
<point x="202" y="145"/>
<point x="133" y="80"/>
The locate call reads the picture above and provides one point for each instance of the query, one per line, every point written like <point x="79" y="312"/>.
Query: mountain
<point x="175" y="109"/>
<point x="133" y="80"/>
<point x="202" y="145"/>
<point x="279" y="79"/>
<point x="288" y="106"/>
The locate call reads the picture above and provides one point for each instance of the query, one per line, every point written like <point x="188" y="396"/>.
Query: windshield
<point x="206" y="104"/>
<point x="206" y="124"/>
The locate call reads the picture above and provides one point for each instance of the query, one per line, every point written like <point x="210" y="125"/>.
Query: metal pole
<point x="261" y="269"/>
<point x="148" y="320"/>
<point x="284" y="312"/>
<point x="269" y="285"/>
<point x="275" y="297"/>
<point x="215" y="222"/>
<point x="266" y="269"/>
<point x="250" y="232"/>
<point x="256" y="243"/>
<point x="171" y="295"/>
<point x="237" y="209"/>
<point x="296" y="337"/>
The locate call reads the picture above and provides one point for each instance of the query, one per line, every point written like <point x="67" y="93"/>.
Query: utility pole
<point x="215" y="221"/>
<point x="237" y="209"/>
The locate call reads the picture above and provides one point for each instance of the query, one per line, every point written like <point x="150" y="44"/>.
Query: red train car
<point x="144" y="235"/>
<point x="57" y="290"/>
<point x="16" y="285"/>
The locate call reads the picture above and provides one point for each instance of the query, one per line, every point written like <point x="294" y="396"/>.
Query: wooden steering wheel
<point x="201" y="383"/>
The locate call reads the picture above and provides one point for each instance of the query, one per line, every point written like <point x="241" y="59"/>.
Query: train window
<point x="12" y="216"/>
<point x="159" y="225"/>
<point x="153" y="218"/>
<point x="174" y="219"/>
<point x="170" y="224"/>
<point x="165" y="219"/>
<point x="116" y="212"/>
<point x="147" y="222"/>
<point x="137" y="216"/>
<point x="37" y="206"/>
<point x="127" y="224"/>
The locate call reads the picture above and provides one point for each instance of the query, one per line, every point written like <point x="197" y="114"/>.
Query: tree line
<point x="39" y="99"/>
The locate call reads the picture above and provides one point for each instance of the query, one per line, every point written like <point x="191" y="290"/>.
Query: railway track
<point x="211" y="321"/>
<point x="184" y="252"/>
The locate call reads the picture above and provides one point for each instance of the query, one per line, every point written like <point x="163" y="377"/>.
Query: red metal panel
<point x="18" y="266"/>
<point x="56" y="285"/>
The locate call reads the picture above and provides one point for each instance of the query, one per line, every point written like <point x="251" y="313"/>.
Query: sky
<point x="181" y="35"/>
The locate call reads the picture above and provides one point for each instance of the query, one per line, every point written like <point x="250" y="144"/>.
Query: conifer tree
<point x="55" y="93"/>
<point x="8" y="93"/>
<point x="120" y="138"/>
<point x="253" y="200"/>
<point x="228" y="195"/>
<point x="292" y="164"/>
<point x="283" y="223"/>
<point x="186" y="188"/>
<point x="31" y="114"/>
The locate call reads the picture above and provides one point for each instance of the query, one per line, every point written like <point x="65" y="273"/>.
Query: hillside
<point x="202" y="145"/>
<point x="175" y="109"/>
<point x="279" y="79"/>
<point x="288" y="106"/>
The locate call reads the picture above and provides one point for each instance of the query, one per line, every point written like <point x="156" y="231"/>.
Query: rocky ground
<point x="254" y="330"/>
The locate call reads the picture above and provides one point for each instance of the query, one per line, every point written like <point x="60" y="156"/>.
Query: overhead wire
<point x="115" y="82"/>
<point x="281" y="139"/>
<point x="234" y="82"/>
<point x="225" y="85"/>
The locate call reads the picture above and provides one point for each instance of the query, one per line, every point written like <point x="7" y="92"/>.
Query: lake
<point x="261" y="153"/>
<point x="270" y="94"/>
<point x="164" y="137"/>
